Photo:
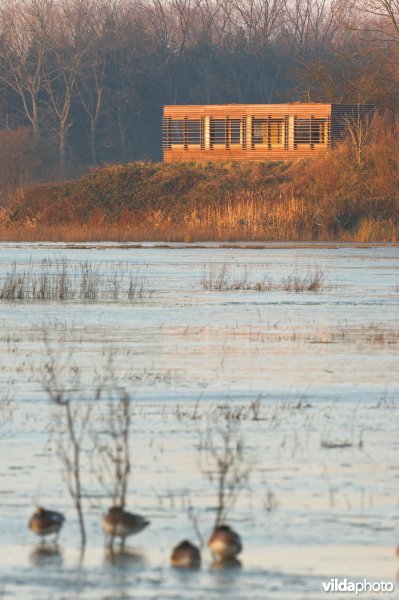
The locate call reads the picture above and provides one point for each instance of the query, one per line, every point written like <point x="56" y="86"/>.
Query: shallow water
<point x="323" y="365"/>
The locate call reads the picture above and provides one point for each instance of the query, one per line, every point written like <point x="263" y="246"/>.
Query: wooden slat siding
<point x="247" y="150"/>
<point x="167" y="141"/>
<point x="220" y="111"/>
<point x="185" y="133"/>
<point x="311" y="131"/>
<point x="286" y="128"/>
<point x="295" y="145"/>
<point x="269" y="145"/>
<point x="328" y="132"/>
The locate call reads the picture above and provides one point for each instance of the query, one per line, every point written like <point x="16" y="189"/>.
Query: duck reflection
<point x="46" y="555"/>
<point x="121" y="557"/>
<point x="227" y="564"/>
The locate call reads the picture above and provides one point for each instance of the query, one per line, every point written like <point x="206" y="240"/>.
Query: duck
<point x="224" y="543"/>
<point x="117" y="522"/>
<point x="185" y="556"/>
<point x="45" y="522"/>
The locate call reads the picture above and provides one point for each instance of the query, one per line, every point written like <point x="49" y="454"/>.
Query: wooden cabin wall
<point x="245" y="132"/>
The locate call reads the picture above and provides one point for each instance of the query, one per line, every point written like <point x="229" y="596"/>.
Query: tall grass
<point x="225" y="277"/>
<point x="330" y="197"/>
<point x="244" y="219"/>
<point x="62" y="280"/>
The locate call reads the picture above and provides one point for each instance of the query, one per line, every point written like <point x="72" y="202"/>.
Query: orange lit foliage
<point x="330" y="197"/>
<point x="22" y="161"/>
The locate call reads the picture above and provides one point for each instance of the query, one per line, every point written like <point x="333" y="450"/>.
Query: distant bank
<point x="331" y="198"/>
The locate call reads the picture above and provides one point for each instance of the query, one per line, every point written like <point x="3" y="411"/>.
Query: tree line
<point x="87" y="79"/>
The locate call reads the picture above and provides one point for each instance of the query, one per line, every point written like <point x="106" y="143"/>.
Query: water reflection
<point x="226" y="565"/>
<point x="46" y="555"/>
<point x="124" y="558"/>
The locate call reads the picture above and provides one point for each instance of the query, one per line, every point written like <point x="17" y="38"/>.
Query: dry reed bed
<point x="324" y="199"/>
<point x="61" y="280"/>
<point x="244" y="218"/>
<point x="221" y="278"/>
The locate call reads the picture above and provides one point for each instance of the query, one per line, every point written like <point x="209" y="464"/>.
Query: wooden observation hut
<point x="255" y="131"/>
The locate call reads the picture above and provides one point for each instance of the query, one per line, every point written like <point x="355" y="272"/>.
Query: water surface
<point x="323" y="365"/>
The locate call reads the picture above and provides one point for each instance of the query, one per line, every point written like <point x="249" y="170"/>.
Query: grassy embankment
<point x="327" y="198"/>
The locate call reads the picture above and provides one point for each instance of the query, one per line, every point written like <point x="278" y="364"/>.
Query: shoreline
<point x="150" y="245"/>
<point x="270" y="203"/>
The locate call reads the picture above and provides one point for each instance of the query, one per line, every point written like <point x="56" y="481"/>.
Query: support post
<point x="207" y="133"/>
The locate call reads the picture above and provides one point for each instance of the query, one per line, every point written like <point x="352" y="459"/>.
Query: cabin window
<point x="176" y="132"/>
<point x="302" y="131"/>
<point x="235" y="131"/>
<point x="268" y="131"/>
<point x="193" y="133"/>
<point x="218" y="131"/>
<point x="276" y="132"/>
<point x="260" y="131"/>
<point x="319" y="131"/>
<point x="311" y="131"/>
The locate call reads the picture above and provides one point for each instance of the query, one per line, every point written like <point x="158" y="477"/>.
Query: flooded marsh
<point x="299" y="372"/>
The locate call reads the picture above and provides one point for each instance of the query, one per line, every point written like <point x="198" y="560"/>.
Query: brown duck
<point x="224" y="543"/>
<point x="120" y="523"/>
<point x="46" y="522"/>
<point x="186" y="556"/>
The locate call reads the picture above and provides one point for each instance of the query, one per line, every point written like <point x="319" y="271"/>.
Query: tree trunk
<point x="122" y="135"/>
<point x="62" y="149"/>
<point x="93" y="153"/>
<point x="35" y="122"/>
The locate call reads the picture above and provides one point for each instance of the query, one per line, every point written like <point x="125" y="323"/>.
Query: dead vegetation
<point x="227" y="277"/>
<point x="6" y="408"/>
<point x="61" y="280"/>
<point x="91" y="429"/>
<point x="331" y="197"/>
<point x="111" y="441"/>
<point x="70" y="426"/>
<point x="224" y="460"/>
<point x="334" y="444"/>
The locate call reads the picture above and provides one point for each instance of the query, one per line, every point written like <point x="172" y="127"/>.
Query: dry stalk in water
<point x="6" y="409"/>
<point x="112" y="444"/>
<point x="223" y="460"/>
<point x="71" y="428"/>
<point x="222" y="279"/>
<point x="70" y="443"/>
<point x="60" y="280"/>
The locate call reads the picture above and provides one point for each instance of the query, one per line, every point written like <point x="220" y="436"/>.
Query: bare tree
<point x="381" y="18"/>
<point x="159" y="22"/>
<point x="68" y="34"/>
<point x="70" y="443"/>
<point x="91" y="79"/>
<point x="223" y="460"/>
<point x="313" y="24"/>
<point x="298" y="15"/>
<point x="71" y="425"/>
<point x="112" y="443"/>
<point x="23" y="49"/>
<point x="96" y="72"/>
<point x="359" y="130"/>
